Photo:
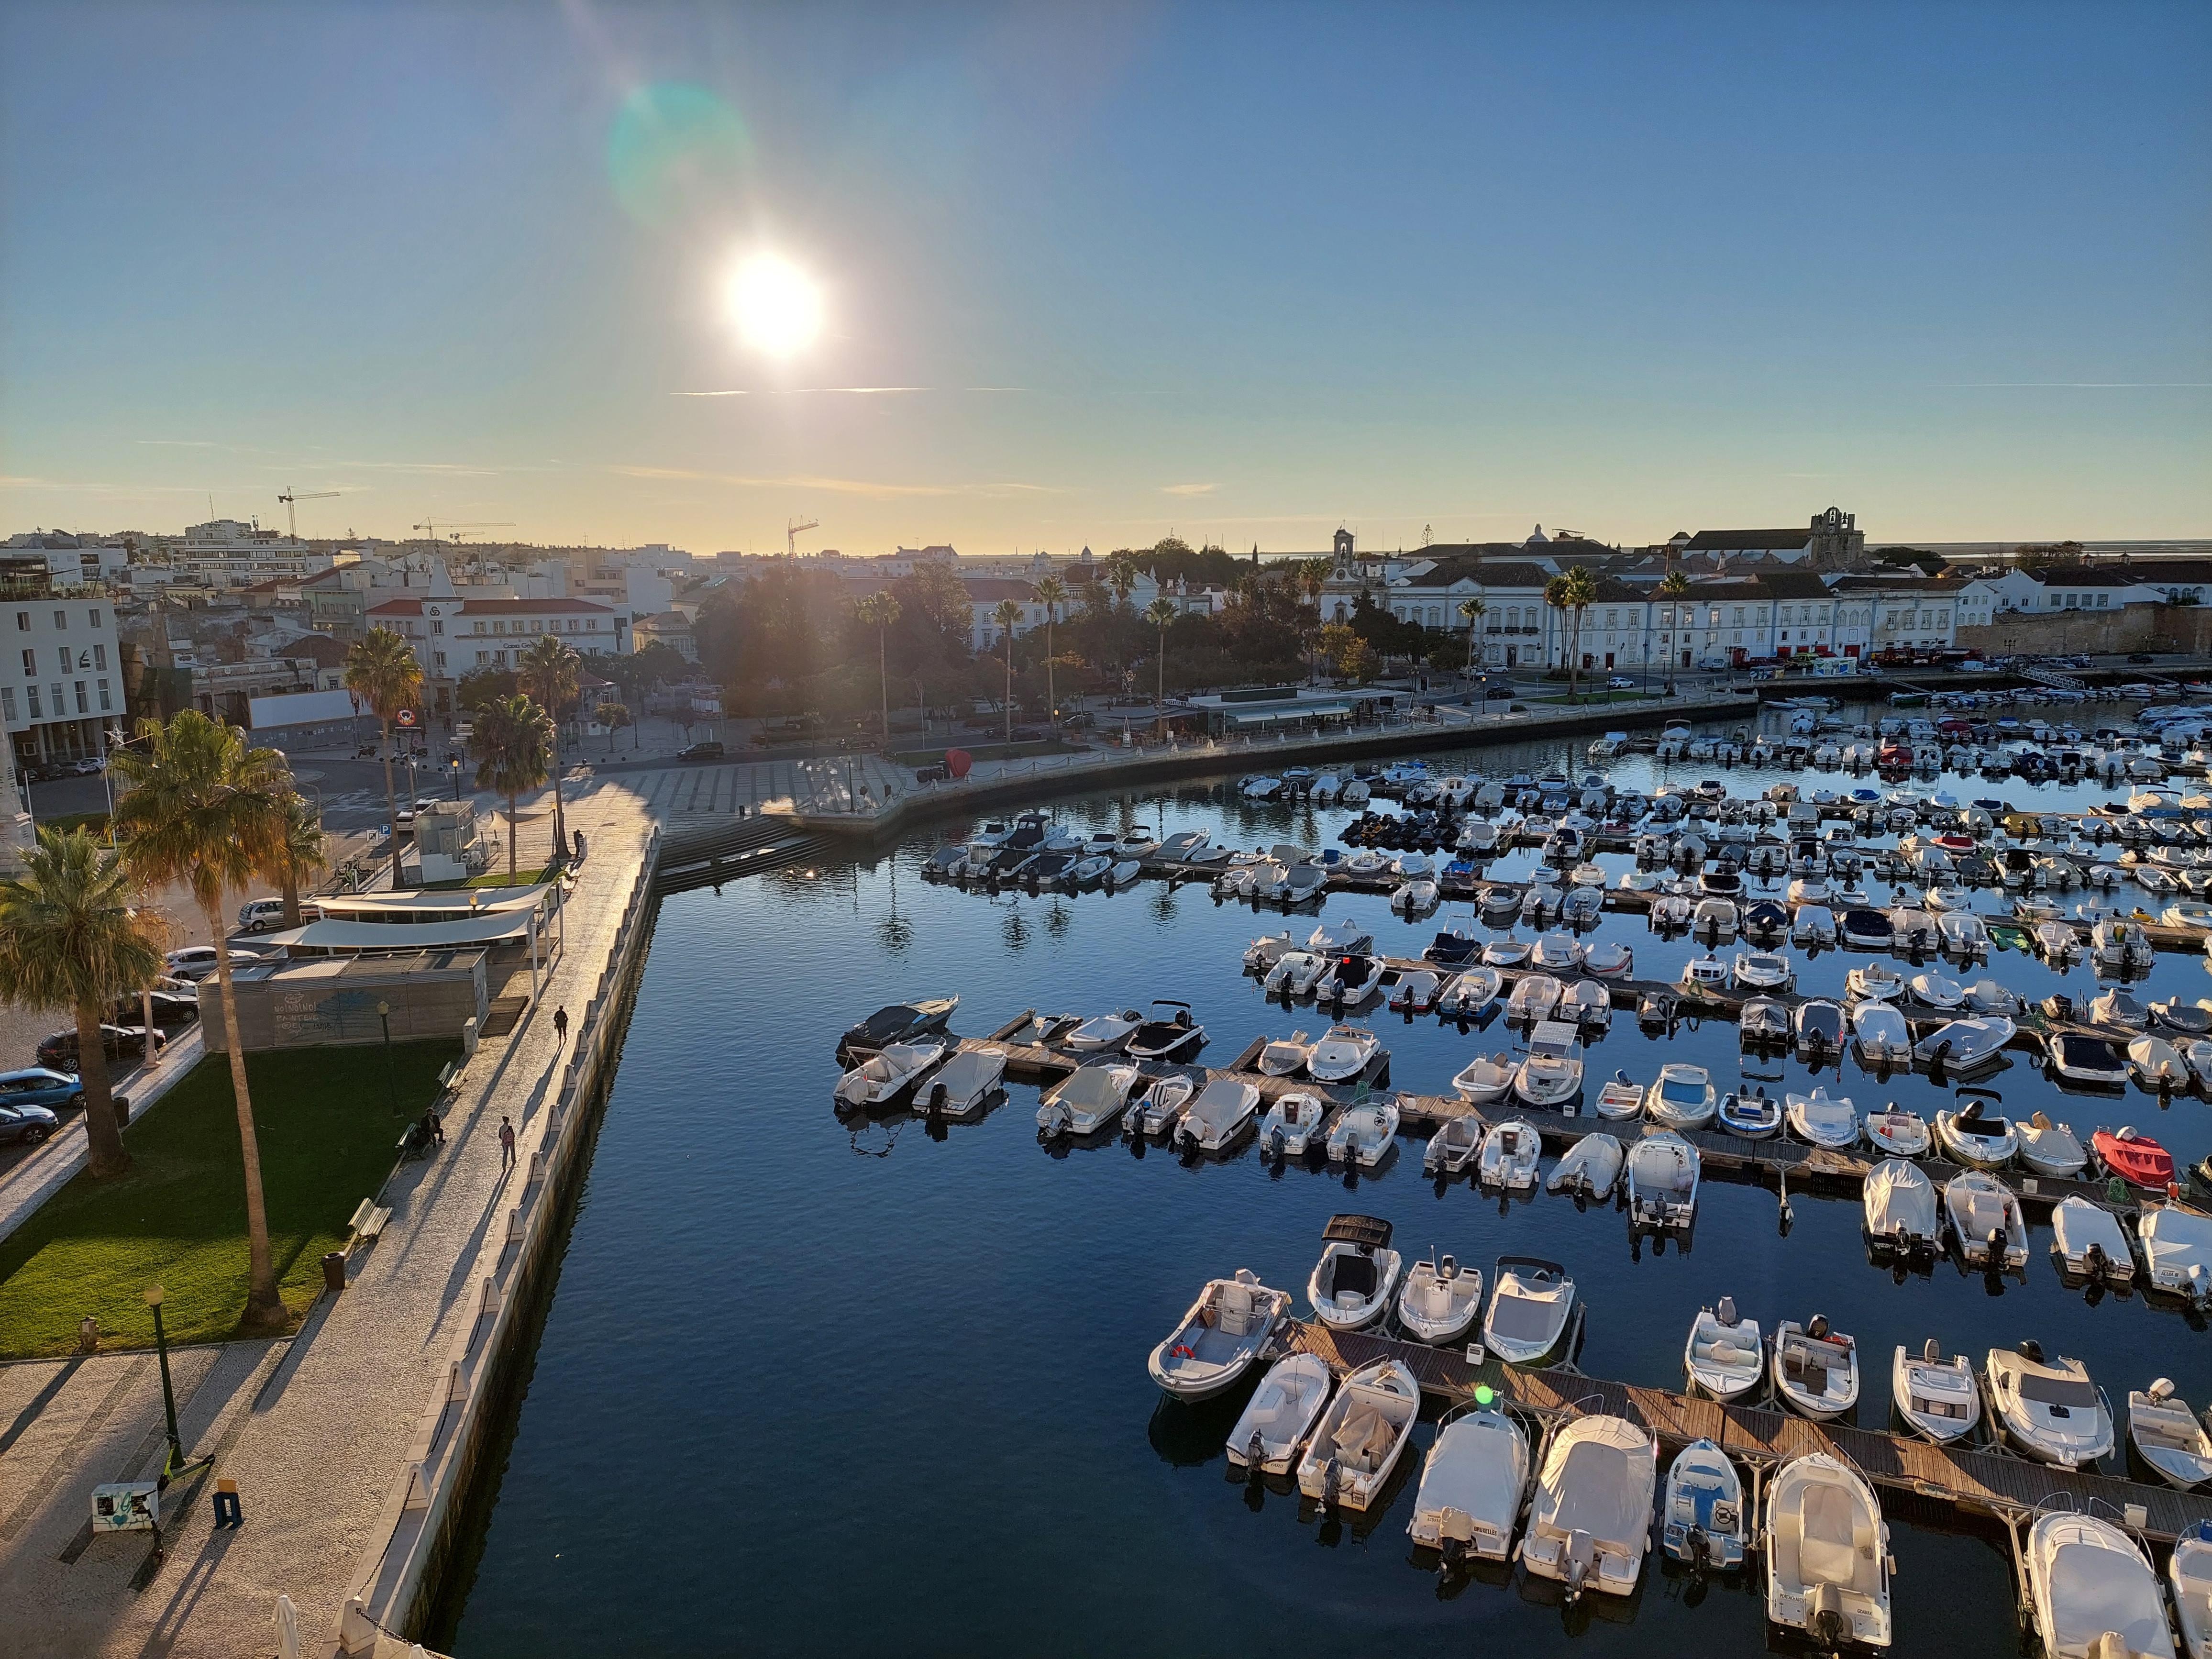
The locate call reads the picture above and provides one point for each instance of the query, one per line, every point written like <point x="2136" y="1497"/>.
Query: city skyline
<point x="1239" y="275"/>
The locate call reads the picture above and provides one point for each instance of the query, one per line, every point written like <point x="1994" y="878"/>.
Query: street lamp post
<point x="455" y="766"/>
<point x="384" y="1013"/>
<point x="175" y="1464"/>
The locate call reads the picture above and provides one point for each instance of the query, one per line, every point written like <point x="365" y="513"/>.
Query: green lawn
<point x="179" y="1217"/>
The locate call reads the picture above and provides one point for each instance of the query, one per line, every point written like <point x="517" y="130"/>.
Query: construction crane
<point x="290" y="495"/>
<point x="791" y="530"/>
<point x="452" y="531"/>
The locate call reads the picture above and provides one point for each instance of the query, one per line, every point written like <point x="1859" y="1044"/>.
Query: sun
<point x="776" y="306"/>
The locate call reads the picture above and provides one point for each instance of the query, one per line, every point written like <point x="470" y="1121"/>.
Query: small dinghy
<point x="1484" y="1079"/>
<point x="1873" y="982"/>
<point x="1880" y="1034"/>
<point x="2093" y="1592"/>
<point x="1226" y="1329"/>
<point x="1509" y="1157"/>
<point x="1702" y="1521"/>
<point x="1820" y="1119"/>
<point x="1936" y="1397"/>
<point x="2135" y="1158"/>
<point x="1816" y="1370"/>
<point x="1158" y="1109"/>
<point x="1588" y="1003"/>
<point x="1222" y="1112"/>
<point x="1610" y="961"/>
<point x="1589" y="1167"/>
<point x="1897" y="1132"/>
<point x="1551" y="1077"/>
<point x="1416" y="991"/>
<point x="2166" y="1435"/>
<point x="1726" y="1356"/>
<point x="1439" y="1301"/>
<point x="1286" y="1056"/>
<point x="2051" y="1149"/>
<point x="1363" y="1134"/>
<point x="1976" y="1136"/>
<point x="1280" y="1414"/>
<point x="1472" y="1485"/>
<point x="890" y="1071"/>
<point x="1471" y="994"/>
<point x="1361" y="1436"/>
<point x="1622" y="1098"/>
<point x="1751" y="1114"/>
<point x="2088" y="1242"/>
<point x="1289" y="1128"/>
<point x="2176" y="1248"/>
<point x="1827" y="1554"/>
<point x="2189" y="1573"/>
<point x="1899" y="1202"/>
<point x="2048" y="1409"/>
<point x="1295" y="974"/>
<point x="902" y="1022"/>
<point x="1591" y="1518"/>
<point x="1531" y="1300"/>
<point x="1102" y="1032"/>
<point x="1534" y="996"/>
<point x="1682" y="1098"/>
<point x="1453" y="1145"/>
<point x="965" y="1083"/>
<point x="1986" y="1221"/>
<point x="1662" y="1181"/>
<point x="1353" y="1283"/>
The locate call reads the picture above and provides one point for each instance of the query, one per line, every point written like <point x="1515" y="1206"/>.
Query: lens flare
<point x="775" y="306"/>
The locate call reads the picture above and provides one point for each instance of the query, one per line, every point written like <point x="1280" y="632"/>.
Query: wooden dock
<point x="1984" y="1480"/>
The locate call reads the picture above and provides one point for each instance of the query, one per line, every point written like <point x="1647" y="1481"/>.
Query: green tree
<point x="298" y="855"/>
<point x="880" y="611"/>
<point x="614" y="716"/>
<point x="1674" y="585"/>
<point x="69" y="937"/>
<point x="480" y="685"/>
<point x="201" y="810"/>
<point x="1121" y="577"/>
<point x="512" y="746"/>
<point x="1161" y="612"/>
<point x="547" y="671"/>
<point x="1008" y="615"/>
<point x="1052" y="593"/>
<point x="381" y="671"/>
<point x="1580" y="592"/>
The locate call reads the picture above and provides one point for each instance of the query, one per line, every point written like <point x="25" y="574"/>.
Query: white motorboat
<point x="1225" y="1109"/>
<point x="1715" y="918"/>
<point x="1589" y="1167"/>
<point x="1286" y="1056"/>
<point x="1816" y="1370"/>
<point x="1898" y="1201"/>
<point x="1985" y="1220"/>
<point x="1937" y="991"/>
<point x="1704" y="974"/>
<point x="2048" y="1409"/>
<point x="1873" y="982"/>
<point x="1348" y="981"/>
<point x="1531" y="1302"/>
<point x="1507" y="952"/>
<point x="2157" y="1065"/>
<point x="2177" y="1249"/>
<point x="1342" y="1053"/>
<point x="1088" y="1100"/>
<point x="1265" y="952"/>
<point x="1509" y="1157"/>
<point x="1558" y="953"/>
<point x="1227" y="1328"/>
<point x="1453" y="1145"/>
<point x="2051" y="1149"/>
<point x="1987" y="996"/>
<point x="1662" y="1181"/>
<point x="2116" y="943"/>
<point x="1682" y="1097"/>
<point x="1289" y="1128"/>
<point x="1162" y="1103"/>
<point x="1757" y="971"/>
<point x="1588" y="1003"/>
<point x="1726" y="1356"/>
<point x="1813" y="924"/>
<point x="1341" y="937"/>
<point x="1102" y="1032"/>
<point x="2077" y="1057"/>
<point x="2189" y="1571"/>
<point x="2088" y="1242"/>
<point x="1484" y="1078"/>
<point x="2121" y="1007"/>
<point x="1937" y="1396"/>
<point x="1551" y="1077"/>
<point x="965" y="1083"/>
<point x="1439" y="1301"/>
<point x="1534" y="997"/>
<point x="1608" y="959"/>
<point x="1621" y="1097"/>
<point x="1590" y="1520"/>
<point x="1470" y="993"/>
<point x="2092" y="1591"/>
<point x="1818" y="1027"/>
<point x="1764" y="1022"/>
<point x="1364" y="1135"/>
<point x="1413" y="898"/>
<point x="1361" y="1436"/>
<point x="889" y="1072"/>
<point x="1280" y="1414"/>
<point x="1976" y="1136"/>
<point x="1966" y="935"/>
<point x="1960" y="1045"/>
<point x="1353" y="1283"/>
<point x="1820" y="1120"/>
<point x="2166" y="1435"/>
<point x="1472" y="1487"/>
<point x="1172" y="1035"/>
<point x="1703" y="1522"/>
<point x="1827" y="1555"/>
<point x="1296" y="973"/>
<point x="1750" y="1113"/>
<point x="1880" y="1035"/>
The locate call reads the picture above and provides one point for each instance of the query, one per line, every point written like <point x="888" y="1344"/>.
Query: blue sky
<point x="1244" y="272"/>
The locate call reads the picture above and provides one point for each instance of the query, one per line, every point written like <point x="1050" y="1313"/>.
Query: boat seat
<point x="1827" y="1543"/>
<point x="1237" y="1312"/>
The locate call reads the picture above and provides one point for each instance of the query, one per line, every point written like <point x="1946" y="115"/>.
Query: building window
<point x="439" y="656"/>
<point x="100" y="656"/>
<point x="61" y="619"/>
<point x="1739" y="616"/>
<point x="23" y="621"/>
<point x="105" y="706"/>
<point x="32" y="691"/>
<point x="95" y="615"/>
<point x="437" y="628"/>
<point x="83" y="706"/>
<point x="30" y="662"/>
<point x="7" y="703"/>
<point x="61" y="705"/>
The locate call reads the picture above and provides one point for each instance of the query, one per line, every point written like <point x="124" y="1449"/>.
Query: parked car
<point x="171" y="1009"/>
<point x="196" y="962"/>
<point x="28" y="1124"/>
<point x="34" y="1085"/>
<point x="2141" y="656"/>
<point x="406" y="816"/>
<point x="92" y="766"/>
<point x="259" y="915"/>
<point x="121" y="1042"/>
<point x="709" y="751"/>
<point x="1620" y="683"/>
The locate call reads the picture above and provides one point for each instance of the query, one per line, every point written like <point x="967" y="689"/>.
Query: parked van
<point x="261" y="914"/>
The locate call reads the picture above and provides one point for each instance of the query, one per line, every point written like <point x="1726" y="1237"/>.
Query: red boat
<point x="1892" y="756"/>
<point x="2137" y="1159"/>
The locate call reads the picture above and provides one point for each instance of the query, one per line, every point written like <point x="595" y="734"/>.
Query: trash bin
<point x="334" y="1270"/>
<point x="122" y="1104"/>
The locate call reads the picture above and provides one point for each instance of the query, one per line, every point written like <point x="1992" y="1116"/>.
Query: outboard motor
<point x="1329" y="1483"/>
<point x="1826" y="1624"/>
<point x="1255" y="1455"/>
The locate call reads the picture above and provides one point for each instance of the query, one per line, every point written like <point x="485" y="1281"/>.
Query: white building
<point x="61" y="675"/>
<point x="74" y="560"/>
<point x="451" y="635"/>
<point x="227" y="553"/>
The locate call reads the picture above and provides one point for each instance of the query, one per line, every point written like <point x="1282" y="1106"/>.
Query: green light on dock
<point x="1484" y="1394"/>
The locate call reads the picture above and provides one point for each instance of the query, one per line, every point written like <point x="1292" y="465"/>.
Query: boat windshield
<point x="2041" y="1389"/>
<point x="1677" y="1093"/>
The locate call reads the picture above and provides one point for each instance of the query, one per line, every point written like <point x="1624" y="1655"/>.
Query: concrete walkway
<point x="315" y="1429"/>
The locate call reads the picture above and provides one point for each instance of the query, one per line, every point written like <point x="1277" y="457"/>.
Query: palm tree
<point x="1160" y="612"/>
<point x="1052" y="593"/>
<point x="1472" y="610"/>
<point x="69" y="937"/>
<point x="547" y="671"/>
<point x="1580" y="592"/>
<point x="1008" y="615"/>
<point x="201" y="810"/>
<point x="381" y="671"/>
<point x="1121" y="577"/>
<point x="513" y="743"/>
<point x="298" y="855"/>
<point x="880" y="611"/>
<point x="1673" y="587"/>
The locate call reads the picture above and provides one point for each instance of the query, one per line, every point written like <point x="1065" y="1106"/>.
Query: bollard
<point x="334" y="1279"/>
<point x="122" y="1105"/>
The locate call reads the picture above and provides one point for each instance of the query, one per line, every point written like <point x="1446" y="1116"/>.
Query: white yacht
<point x="1440" y="1300"/>
<point x="1827" y="1547"/>
<point x="1361" y="1436"/>
<point x="1472" y="1483"/>
<point x="1937" y="1396"/>
<point x="2048" y="1409"/>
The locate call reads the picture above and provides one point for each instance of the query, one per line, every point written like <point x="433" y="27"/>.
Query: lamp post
<point x="384" y="1013"/>
<point x="454" y="767"/>
<point x="175" y="1465"/>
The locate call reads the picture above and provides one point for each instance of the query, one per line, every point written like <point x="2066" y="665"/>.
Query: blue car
<point x="37" y="1086"/>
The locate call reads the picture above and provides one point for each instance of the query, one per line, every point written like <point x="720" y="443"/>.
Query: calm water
<point x="807" y="1390"/>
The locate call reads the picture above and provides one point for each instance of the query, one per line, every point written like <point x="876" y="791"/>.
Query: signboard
<point x="126" y="1506"/>
<point x="300" y="708"/>
<point x="405" y="719"/>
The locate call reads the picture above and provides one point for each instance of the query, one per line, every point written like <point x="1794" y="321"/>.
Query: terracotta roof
<point x="998" y="587"/>
<point x="498" y="608"/>
<point x="2113" y="575"/>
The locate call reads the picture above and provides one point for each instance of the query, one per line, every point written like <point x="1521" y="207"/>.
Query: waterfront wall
<point x="2063" y="633"/>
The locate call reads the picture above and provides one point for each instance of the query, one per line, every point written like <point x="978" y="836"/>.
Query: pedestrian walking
<point x="560" y="1025"/>
<point x="506" y="1142"/>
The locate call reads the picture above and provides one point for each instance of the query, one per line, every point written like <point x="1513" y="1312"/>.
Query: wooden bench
<point x="368" y="1220"/>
